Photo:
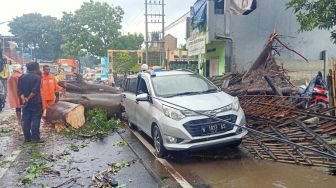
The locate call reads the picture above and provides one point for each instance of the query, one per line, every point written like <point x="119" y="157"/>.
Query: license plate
<point x="213" y="128"/>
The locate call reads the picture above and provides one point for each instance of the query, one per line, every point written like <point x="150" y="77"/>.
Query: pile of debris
<point x="266" y="95"/>
<point x="263" y="76"/>
<point x="280" y="116"/>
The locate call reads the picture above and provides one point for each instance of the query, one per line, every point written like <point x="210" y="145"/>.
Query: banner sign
<point x="196" y="43"/>
<point x="243" y="7"/>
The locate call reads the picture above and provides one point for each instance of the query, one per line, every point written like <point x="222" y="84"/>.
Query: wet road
<point x="219" y="167"/>
<point x="225" y="167"/>
<point x="91" y="158"/>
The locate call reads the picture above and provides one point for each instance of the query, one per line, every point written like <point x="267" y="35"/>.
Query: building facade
<point x="224" y="40"/>
<point x="206" y="39"/>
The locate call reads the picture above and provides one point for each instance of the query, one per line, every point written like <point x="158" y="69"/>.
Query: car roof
<point x="172" y="72"/>
<point x="164" y="73"/>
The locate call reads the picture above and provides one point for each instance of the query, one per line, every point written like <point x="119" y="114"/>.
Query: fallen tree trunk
<point x="275" y="88"/>
<point x="269" y="91"/>
<point x="63" y="113"/>
<point x="110" y="103"/>
<point x="86" y="88"/>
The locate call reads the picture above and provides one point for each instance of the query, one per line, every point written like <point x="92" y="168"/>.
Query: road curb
<point x="170" y="169"/>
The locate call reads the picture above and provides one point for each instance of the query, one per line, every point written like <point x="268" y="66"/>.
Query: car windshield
<point x="177" y="85"/>
<point x="53" y="70"/>
<point x="67" y="68"/>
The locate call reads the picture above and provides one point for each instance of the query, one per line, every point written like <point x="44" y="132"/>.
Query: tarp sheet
<point x="199" y="14"/>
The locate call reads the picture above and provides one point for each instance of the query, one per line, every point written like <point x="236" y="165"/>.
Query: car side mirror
<point x="142" y="97"/>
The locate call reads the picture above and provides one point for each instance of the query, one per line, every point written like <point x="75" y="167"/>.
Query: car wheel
<point x="158" y="142"/>
<point x="322" y="106"/>
<point x="131" y="125"/>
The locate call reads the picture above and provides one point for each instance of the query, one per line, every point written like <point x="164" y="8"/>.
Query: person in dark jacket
<point x="29" y="91"/>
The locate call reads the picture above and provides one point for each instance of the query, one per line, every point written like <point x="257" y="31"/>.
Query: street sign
<point x="196" y="43"/>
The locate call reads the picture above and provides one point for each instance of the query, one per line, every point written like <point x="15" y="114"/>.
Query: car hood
<point x="209" y="101"/>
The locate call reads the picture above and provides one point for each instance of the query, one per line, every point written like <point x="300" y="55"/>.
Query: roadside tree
<point x="38" y="33"/>
<point x="124" y="63"/>
<point x="90" y="30"/>
<point x="129" y="42"/>
<point x="315" y="14"/>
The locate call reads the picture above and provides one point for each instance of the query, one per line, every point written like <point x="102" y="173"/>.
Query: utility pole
<point x="154" y="16"/>
<point x="163" y="35"/>
<point x="146" y="27"/>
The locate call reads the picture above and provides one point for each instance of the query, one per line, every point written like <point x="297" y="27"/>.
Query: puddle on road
<point x="236" y="169"/>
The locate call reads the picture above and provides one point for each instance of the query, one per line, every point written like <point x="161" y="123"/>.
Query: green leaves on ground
<point x="74" y="147"/>
<point x="4" y="163"/>
<point x="98" y="122"/>
<point x="5" y="130"/>
<point x="104" y="178"/>
<point x="121" y="143"/>
<point x="315" y="14"/>
<point x="44" y="156"/>
<point x="34" y="171"/>
<point x="97" y="125"/>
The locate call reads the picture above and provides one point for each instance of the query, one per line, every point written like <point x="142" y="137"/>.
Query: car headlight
<point x="235" y="104"/>
<point x="173" y="113"/>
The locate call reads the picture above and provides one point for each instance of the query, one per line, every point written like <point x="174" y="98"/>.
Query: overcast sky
<point x="133" y="18"/>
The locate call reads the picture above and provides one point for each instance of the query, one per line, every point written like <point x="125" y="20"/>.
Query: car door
<point x="144" y="108"/>
<point x="130" y="102"/>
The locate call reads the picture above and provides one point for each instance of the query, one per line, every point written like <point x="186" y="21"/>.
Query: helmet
<point x="144" y="67"/>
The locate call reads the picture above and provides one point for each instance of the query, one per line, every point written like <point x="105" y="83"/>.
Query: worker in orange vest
<point x="49" y="87"/>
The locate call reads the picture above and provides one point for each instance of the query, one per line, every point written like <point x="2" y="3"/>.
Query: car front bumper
<point x="172" y="128"/>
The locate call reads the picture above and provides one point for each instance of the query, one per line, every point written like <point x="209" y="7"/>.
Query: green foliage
<point x="34" y="171"/>
<point x="37" y="155"/>
<point x="89" y="61"/>
<point x="38" y="33"/>
<point x="91" y="30"/>
<point x="98" y="121"/>
<point x="129" y="42"/>
<point x="74" y="147"/>
<point x="124" y="62"/>
<point x="5" y="130"/>
<point x="97" y="125"/>
<point x="183" y="47"/>
<point x="121" y="143"/>
<point x="4" y="163"/>
<point x="315" y="14"/>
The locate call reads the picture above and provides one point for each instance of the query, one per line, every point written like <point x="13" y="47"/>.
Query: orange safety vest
<point x="49" y="87"/>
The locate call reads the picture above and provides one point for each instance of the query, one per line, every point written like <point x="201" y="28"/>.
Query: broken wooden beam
<point x="275" y="88"/>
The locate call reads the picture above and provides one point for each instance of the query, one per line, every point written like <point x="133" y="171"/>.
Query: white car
<point x="165" y="106"/>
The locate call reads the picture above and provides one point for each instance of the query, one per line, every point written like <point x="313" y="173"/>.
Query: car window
<point x="131" y="85"/>
<point x="142" y="87"/>
<point x="179" y="84"/>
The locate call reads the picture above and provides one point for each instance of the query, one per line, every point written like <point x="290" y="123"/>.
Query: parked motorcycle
<point x="315" y="94"/>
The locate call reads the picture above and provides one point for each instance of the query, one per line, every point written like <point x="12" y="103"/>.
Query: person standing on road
<point x="2" y="97"/>
<point x="29" y="91"/>
<point x="49" y="87"/>
<point x="4" y="73"/>
<point x="60" y="75"/>
<point x="13" y="93"/>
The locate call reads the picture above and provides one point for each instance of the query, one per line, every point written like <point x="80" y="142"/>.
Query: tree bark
<point x="110" y="103"/>
<point x="66" y="113"/>
<point x="275" y="89"/>
<point x="87" y="88"/>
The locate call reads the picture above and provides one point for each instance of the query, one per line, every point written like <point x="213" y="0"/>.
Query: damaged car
<point x="176" y="109"/>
